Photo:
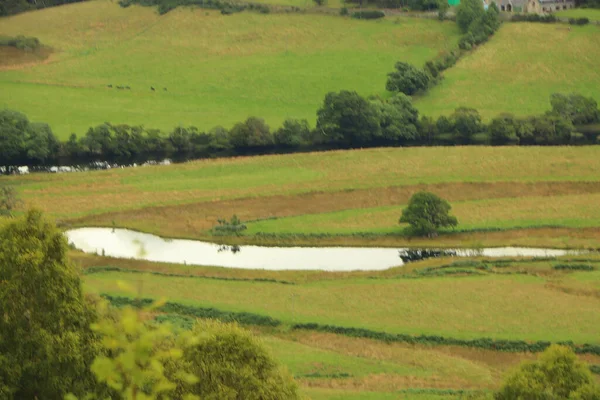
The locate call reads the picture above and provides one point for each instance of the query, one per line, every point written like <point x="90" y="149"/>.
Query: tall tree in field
<point x="557" y="374"/>
<point x="426" y="213"/>
<point x="46" y="344"/>
<point x="467" y="12"/>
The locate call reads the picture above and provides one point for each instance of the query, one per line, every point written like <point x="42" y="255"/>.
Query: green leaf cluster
<point x="557" y="374"/>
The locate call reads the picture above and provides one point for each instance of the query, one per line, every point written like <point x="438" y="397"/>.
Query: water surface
<point x="124" y="243"/>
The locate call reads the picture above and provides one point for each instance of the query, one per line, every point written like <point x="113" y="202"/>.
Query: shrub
<point x="20" y="42"/>
<point x="579" y="21"/>
<point x="368" y="14"/>
<point x="344" y="11"/>
<point x="557" y="374"/>
<point x="407" y="79"/>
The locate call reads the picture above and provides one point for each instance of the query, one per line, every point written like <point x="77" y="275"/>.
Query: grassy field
<point x="218" y="70"/>
<point x="530" y="301"/>
<point x="341" y="192"/>
<point x="590" y="13"/>
<point x="518" y="70"/>
<point x="504" y="307"/>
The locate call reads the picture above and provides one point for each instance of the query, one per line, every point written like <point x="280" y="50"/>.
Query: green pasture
<point x="571" y="211"/>
<point x="518" y="70"/>
<point x="80" y="194"/>
<point x="217" y="69"/>
<point x="497" y="306"/>
<point x="590" y="13"/>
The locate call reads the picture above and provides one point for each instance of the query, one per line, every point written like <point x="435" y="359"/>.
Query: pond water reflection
<point x="124" y="243"/>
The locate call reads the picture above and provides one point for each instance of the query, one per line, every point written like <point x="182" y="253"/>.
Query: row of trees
<point x="476" y="24"/>
<point x="345" y="120"/>
<point x="10" y="7"/>
<point x="57" y="343"/>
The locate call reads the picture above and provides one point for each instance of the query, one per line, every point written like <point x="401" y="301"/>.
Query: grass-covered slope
<point x="217" y="69"/>
<point x="342" y="192"/>
<point x="518" y="70"/>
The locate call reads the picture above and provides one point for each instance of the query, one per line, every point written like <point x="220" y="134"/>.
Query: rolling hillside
<point x="217" y="70"/>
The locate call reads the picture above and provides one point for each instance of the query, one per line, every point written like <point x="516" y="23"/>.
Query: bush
<point x="20" y="42"/>
<point x="344" y="11"/>
<point x="368" y="14"/>
<point x="407" y="79"/>
<point x="579" y="21"/>
<point x="557" y="374"/>
<point x="534" y="18"/>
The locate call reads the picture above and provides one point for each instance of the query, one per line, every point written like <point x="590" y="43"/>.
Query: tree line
<point x="10" y="7"/>
<point x="345" y="120"/>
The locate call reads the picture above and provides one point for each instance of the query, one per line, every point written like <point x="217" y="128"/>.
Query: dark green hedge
<point x="368" y="14"/>
<point x="516" y="346"/>
<point x="198" y="312"/>
<point x="576" y="267"/>
<point x="99" y="269"/>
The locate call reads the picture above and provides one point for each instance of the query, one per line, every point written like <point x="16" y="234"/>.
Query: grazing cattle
<point x="120" y="87"/>
<point x="152" y="88"/>
<point x="109" y="86"/>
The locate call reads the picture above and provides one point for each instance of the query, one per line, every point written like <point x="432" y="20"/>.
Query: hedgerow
<point x="96" y="270"/>
<point x="244" y="318"/>
<point x="513" y="346"/>
<point x="575" y="267"/>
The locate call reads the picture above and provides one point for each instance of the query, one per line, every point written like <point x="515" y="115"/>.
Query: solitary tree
<point x="557" y="374"/>
<point x="426" y="213"/>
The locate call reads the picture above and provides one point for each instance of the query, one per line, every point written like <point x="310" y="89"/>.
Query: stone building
<point x="534" y="6"/>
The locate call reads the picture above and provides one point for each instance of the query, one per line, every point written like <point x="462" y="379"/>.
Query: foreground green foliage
<point x="230" y="363"/>
<point x="557" y="374"/>
<point x="426" y="213"/>
<point x="46" y="343"/>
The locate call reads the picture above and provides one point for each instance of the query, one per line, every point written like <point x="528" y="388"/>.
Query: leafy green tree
<point x="13" y="125"/>
<point x="40" y="144"/>
<point x="426" y="213"/>
<point x="231" y="363"/>
<point x="253" y="132"/>
<point x="407" y="79"/>
<point x="467" y="12"/>
<point x="557" y="374"/>
<point x="8" y="200"/>
<point x="46" y="341"/>
<point x="292" y="133"/>
<point x="578" y="109"/>
<point x="347" y="119"/>
<point x="398" y="119"/>
<point x="465" y="122"/>
<point x="443" y="8"/>
<point x="503" y="130"/>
